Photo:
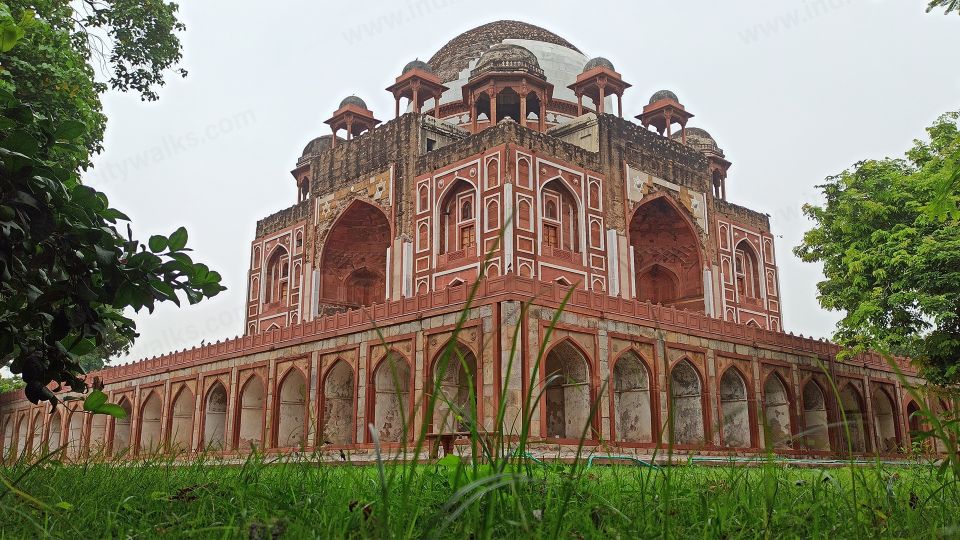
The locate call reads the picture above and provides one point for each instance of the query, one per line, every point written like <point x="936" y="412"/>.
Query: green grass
<point x="455" y="500"/>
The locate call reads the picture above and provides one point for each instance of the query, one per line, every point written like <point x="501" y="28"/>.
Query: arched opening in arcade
<point x="455" y="380"/>
<point x="353" y="266"/>
<point x="458" y="221"/>
<point x="292" y="410"/>
<point x="22" y="433"/>
<point x="7" y="449"/>
<point x="121" y="429"/>
<point x="852" y="433"/>
<point x="560" y="220"/>
<point x="666" y="256"/>
<point x="915" y="422"/>
<point x="815" y="420"/>
<point x="567" y="398"/>
<point x="181" y="421"/>
<point x="37" y="438"/>
<point x="75" y="435"/>
<point x="686" y="405"/>
<point x="53" y="434"/>
<point x="250" y="419"/>
<point x="885" y="422"/>
<point x="150" y="414"/>
<point x="777" y="424"/>
<point x="391" y="398"/>
<point x="215" y="418"/>
<point x="97" y="447"/>
<point x="338" y="404"/>
<point x="735" y="410"/>
<point x="633" y="413"/>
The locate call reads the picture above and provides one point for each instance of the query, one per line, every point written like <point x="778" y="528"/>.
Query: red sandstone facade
<point x="507" y="170"/>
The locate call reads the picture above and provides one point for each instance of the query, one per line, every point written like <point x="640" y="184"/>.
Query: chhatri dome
<point x="700" y="140"/>
<point x="353" y="100"/>
<point x="508" y="58"/>
<point x="598" y="62"/>
<point x="663" y="94"/>
<point x="417" y="64"/>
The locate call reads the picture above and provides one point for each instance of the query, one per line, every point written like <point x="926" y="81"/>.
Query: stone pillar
<point x="603" y="372"/>
<point x="363" y="358"/>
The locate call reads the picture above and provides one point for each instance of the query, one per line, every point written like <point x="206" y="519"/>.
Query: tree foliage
<point x="69" y="262"/>
<point x="891" y="260"/>
<point x="948" y="6"/>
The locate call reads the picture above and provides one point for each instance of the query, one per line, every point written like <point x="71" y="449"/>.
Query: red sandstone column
<point x="523" y="110"/>
<point x="579" y="104"/>
<point x="416" y="100"/>
<point x="493" y="107"/>
<point x="600" y="104"/>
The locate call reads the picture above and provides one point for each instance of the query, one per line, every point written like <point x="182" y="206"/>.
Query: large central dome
<point x="559" y="60"/>
<point x="460" y="51"/>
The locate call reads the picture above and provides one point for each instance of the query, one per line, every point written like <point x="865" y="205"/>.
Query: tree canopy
<point x="948" y="6"/>
<point x="889" y="240"/>
<point x="69" y="262"/>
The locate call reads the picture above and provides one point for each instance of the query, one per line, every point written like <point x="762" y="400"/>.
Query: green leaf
<point x="70" y="129"/>
<point x="178" y="240"/>
<point x="10" y="34"/>
<point x="158" y="243"/>
<point x="112" y="409"/>
<point x="95" y="401"/>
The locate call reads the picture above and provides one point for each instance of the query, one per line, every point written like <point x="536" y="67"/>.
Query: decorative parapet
<point x="492" y="289"/>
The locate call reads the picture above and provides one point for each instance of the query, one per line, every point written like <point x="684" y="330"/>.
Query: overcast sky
<point x="792" y="91"/>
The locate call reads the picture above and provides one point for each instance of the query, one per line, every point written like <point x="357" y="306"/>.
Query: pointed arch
<point x="747" y="271"/>
<point x="560" y="218"/>
<point x="568" y="394"/>
<point x="151" y="413"/>
<point x="456" y="219"/>
<point x="277" y="276"/>
<point x="391" y="398"/>
<point x="37" y="435"/>
<point x="885" y="422"/>
<point x="215" y="417"/>
<point x="291" y="410"/>
<point x="75" y="441"/>
<point x="735" y="410"/>
<point x="686" y="404"/>
<point x="53" y="432"/>
<point x="632" y="407"/>
<point x="454" y="374"/>
<point x="121" y="438"/>
<point x="353" y="260"/>
<point x="337" y="422"/>
<point x="852" y="433"/>
<point x="7" y="446"/>
<point x="97" y="440"/>
<point x="250" y="414"/>
<point x="662" y="233"/>
<point x="180" y="436"/>
<point x="23" y="427"/>
<point x="915" y="423"/>
<point x="777" y="417"/>
<point x="815" y="420"/>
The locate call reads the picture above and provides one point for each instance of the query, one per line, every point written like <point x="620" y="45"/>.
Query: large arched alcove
<point x="338" y="412"/>
<point x="181" y="423"/>
<point x="455" y="378"/>
<point x="816" y="431"/>
<point x="353" y="265"/>
<point x="735" y="411"/>
<point x="885" y="422"/>
<point x="75" y="435"/>
<point x="915" y="422"/>
<point x="250" y="419"/>
<point x="567" y="396"/>
<point x="852" y="434"/>
<point x="53" y="435"/>
<point x="150" y="416"/>
<point x="776" y="413"/>
<point x="291" y="410"/>
<point x="457" y="221"/>
<point x="215" y="418"/>
<point x="666" y="255"/>
<point x="631" y="399"/>
<point x="277" y="276"/>
<point x="686" y="404"/>
<point x="121" y="429"/>
<point x="391" y="398"/>
<point x="560" y="219"/>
